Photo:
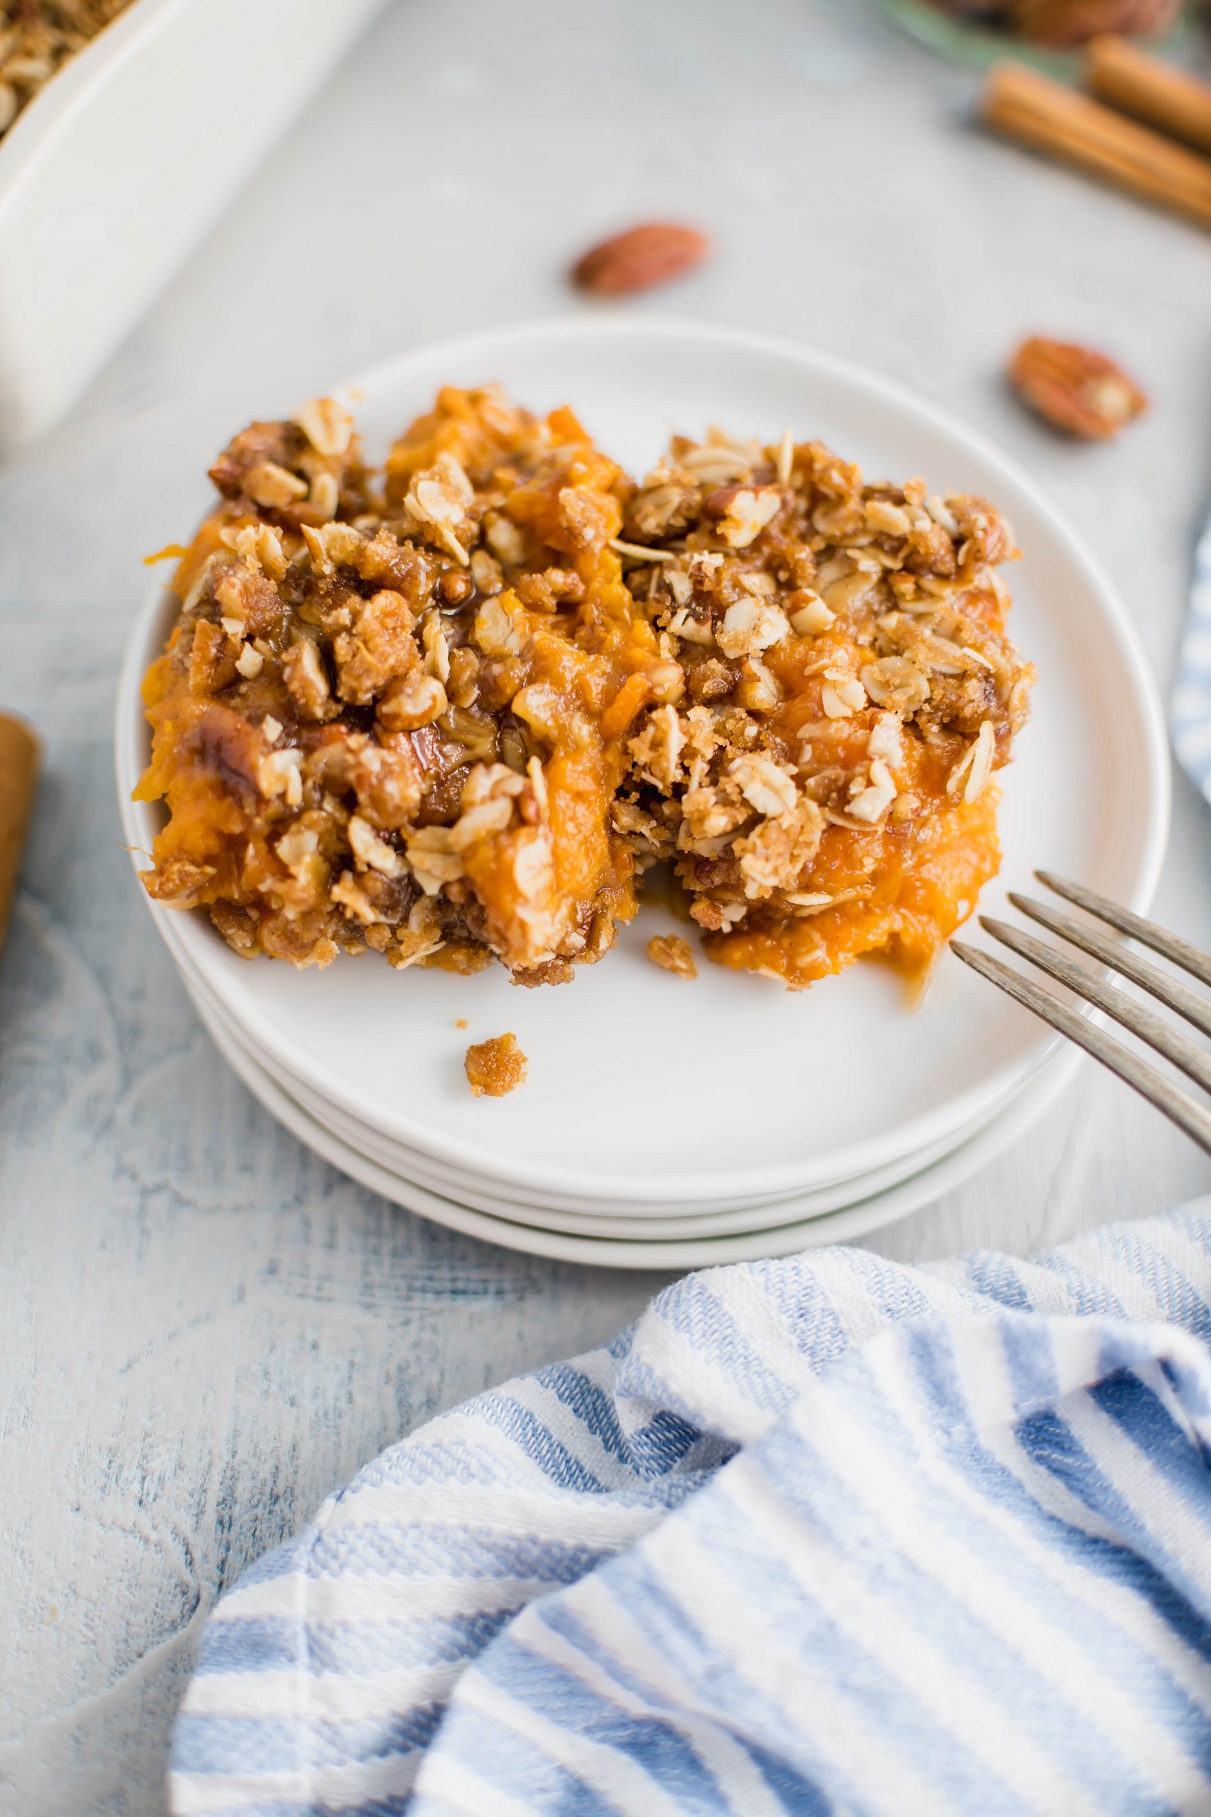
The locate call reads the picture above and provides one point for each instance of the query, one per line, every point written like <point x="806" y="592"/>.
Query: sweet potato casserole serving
<point x="822" y="783"/>
<point x="453" y="711"/>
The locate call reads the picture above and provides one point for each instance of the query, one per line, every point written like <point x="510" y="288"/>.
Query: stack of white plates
<point x="667" y="1123"/>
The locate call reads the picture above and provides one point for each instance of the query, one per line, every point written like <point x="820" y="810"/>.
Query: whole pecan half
<point x="1077" y="390"/>
<point x="1064" y="23"/>
<point x="639" y="258"/>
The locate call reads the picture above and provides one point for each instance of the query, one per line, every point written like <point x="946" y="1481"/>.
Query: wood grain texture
<point x="205" y="1328"/>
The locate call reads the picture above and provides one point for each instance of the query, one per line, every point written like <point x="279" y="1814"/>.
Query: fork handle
<point x="1177" y="1105"/>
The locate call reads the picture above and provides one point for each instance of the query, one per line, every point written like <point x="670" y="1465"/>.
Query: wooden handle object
<point x="19" y="757"/>
<point x="1135" y="82"/>
<point x="1054" y="119"/>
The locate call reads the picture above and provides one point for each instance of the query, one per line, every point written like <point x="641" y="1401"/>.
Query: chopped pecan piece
<point x="260" y="445"/>
<point x="212" y="662"/>
<point x="304" y="675"/>
<point x="229" y="745"/>
<point x="672" y="954"/>
<point x="378" y="648"/>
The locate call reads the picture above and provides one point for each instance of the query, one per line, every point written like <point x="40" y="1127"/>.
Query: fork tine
<point x="1159" y="939"/>
<point x="1119" y="958"/>
<point x="1159" y="1034"/>
<point x="1176" y="1104"/>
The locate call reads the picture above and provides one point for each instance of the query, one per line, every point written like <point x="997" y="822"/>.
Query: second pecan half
<point x="639" y="258"/>
<point x="1075" y="389"/>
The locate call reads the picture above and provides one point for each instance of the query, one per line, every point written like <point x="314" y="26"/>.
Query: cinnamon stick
<point x="1045" y="115"/>
<point x="19" y="754"/>
<point x="1151" y="89"/>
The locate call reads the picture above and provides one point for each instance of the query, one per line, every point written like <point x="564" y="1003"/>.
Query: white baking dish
<point x="118" y="168"/>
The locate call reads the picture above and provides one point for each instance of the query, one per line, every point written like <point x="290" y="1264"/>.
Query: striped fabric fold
<point x="824" y="1535"/>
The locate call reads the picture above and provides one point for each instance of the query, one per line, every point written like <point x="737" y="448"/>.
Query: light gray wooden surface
<point x="204" y="1328"/>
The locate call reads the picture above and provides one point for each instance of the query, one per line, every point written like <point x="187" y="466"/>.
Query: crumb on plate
<point x="461" y="1022"/>
<point x="496" y="1067"/>
<point x="673" y="954"/>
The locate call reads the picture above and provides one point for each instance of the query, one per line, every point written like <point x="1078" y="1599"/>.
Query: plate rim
<point x="582" y="1218"/>
<point x="844" y="1224"/>
<point x="503" y="340"/>
<point x="363" y="1139"/>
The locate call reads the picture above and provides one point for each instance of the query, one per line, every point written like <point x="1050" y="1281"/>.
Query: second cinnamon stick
<point x="1051" y="118"/>
<point x="1151" y="89"/>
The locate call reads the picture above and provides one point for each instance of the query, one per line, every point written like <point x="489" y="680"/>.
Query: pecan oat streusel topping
<point x="821" y="776"/>
<point x="449" y="711"/>
<point x="397" y="718"/>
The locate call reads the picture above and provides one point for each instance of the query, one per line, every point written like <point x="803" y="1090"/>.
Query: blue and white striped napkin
<point x="826" y="1535"/>
<point x="1191" y="709"/>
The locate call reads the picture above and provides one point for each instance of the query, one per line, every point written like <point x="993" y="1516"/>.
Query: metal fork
<point x="1160" y="1035"/>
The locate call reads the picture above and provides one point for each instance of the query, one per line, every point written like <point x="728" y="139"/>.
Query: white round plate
<point x="580" y="1213"/>
<point x="485" y="1194"/>
<point x="625" y="1251"/>
<point x="581" y="1217"/>
<point x="567" y="1211"/>
<point x="729" y="1089"/>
